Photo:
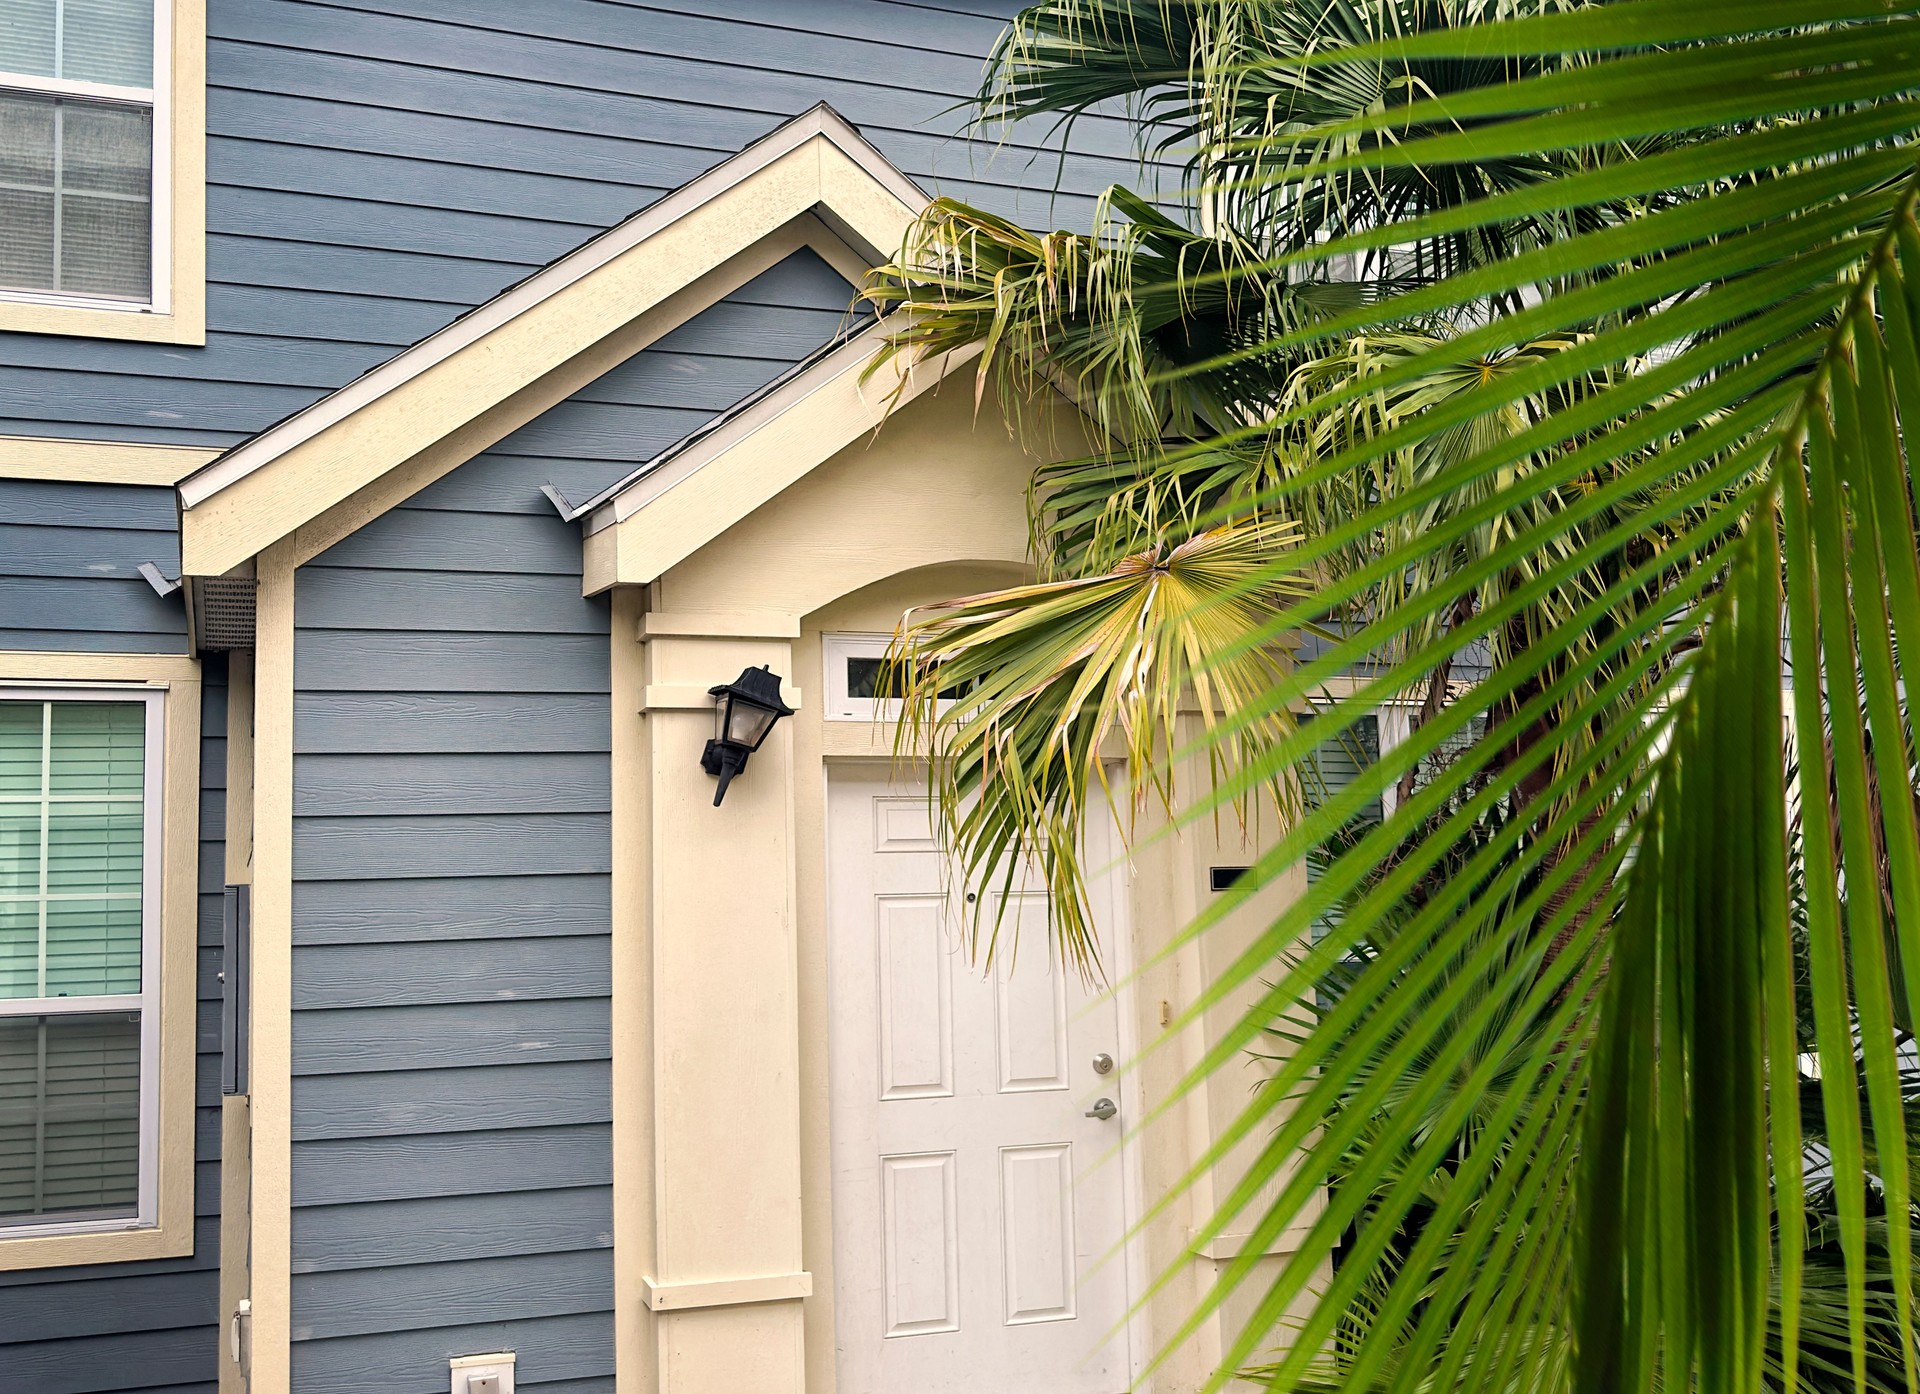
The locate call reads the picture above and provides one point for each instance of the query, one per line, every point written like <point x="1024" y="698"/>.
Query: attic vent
<point x="221" y="616"/>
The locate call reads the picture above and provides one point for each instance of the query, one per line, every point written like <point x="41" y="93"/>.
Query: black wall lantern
<point x="744" y="713"/>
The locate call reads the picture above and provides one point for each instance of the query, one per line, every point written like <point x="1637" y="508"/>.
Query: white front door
<point x="976" y="1207"/>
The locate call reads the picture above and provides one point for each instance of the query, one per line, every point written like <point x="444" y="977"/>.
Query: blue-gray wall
<point x="148" y="1327"/>
<point x="452" y="1178"/>
<point x="70" y="559"/>
<point x="376" y="167"/>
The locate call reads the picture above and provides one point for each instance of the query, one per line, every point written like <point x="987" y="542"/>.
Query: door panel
<point x="916" y="998"/>
<point x="922" y="1243"/>
<point x="977" y="1209"/>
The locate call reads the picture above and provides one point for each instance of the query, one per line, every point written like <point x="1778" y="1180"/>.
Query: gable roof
<point x="463" y="378"/>
<point x="696" y="489"/>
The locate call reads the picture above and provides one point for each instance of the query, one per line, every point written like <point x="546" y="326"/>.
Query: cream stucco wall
<point x="723" y="1194"/>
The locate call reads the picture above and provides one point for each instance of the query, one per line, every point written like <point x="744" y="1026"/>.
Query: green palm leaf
<point x="1637" y="431"/>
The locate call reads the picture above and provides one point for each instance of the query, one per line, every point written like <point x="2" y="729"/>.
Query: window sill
<point x="172" y="1240"/>
<point x="186" y="324"/>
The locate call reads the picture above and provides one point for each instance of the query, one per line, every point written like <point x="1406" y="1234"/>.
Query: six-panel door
<point x="976" y="1207"/>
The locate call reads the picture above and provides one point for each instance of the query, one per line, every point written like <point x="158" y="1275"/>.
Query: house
<point x="381" y="495"/>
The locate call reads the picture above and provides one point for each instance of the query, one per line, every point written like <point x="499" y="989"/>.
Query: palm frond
<point x="1638" y="433"/>
<point x="1027" y="693"/>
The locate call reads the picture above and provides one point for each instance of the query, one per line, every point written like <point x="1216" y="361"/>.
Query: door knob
<point x="1103" y="1109"/>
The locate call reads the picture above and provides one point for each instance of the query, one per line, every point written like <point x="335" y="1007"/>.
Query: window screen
<point x="73" y="825"/>
<point x="76" y="172"/>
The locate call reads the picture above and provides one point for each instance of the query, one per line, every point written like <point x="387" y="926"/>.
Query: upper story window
<point x="102" y="167"/>
<point x="77" y="139"/>
<point x="80" y="784"/>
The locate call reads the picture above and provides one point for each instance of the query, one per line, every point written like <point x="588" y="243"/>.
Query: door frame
<point x="1113" y="912"/>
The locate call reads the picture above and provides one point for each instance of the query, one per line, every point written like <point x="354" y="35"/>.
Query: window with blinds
<point x="77" y="990"/>
<point x="77" y="142"/>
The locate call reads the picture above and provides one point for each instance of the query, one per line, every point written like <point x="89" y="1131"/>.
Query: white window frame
<point x="835" y="650"/>
<point x="175" y="311"/>
<point x="158" y="99"/>
<point x="147" y="1000"/>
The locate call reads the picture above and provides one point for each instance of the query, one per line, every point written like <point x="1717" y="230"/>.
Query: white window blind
<point x="76" y="987"/>
<point x="77" y="103"/>
<point x="69" y="1116"/>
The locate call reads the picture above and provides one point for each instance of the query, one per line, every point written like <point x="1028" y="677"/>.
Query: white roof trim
<point x="822" y="121"/>
<point x="728" y="428"/>
<point x="626" y="498"/>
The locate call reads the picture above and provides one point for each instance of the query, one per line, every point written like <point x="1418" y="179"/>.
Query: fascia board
<point x="262" y="490"/>
<point x="667" y="514"/>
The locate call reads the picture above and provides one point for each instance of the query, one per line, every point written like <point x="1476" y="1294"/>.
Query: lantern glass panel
<point x="747" y="721"/>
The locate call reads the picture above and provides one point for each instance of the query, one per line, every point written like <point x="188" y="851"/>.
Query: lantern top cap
<point x="758" y="685"/>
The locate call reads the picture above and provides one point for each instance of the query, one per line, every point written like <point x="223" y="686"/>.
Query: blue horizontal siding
<point x="374" y="661"/>
<point x="462" y="1099"/>
<point x="452" y="845"/>
<point x="348" y="785"/>
<point x="449" y="1228"/>
<point x="559" y="1354"/>
<point x="479" y="907"/>
<point x="372" y="1300"/>
<point x="447" y="722"/>
<point x="479" y="971"/>
<point x="132" y="1362"/>
<point x="447" y="1036"/>
<point x="69" y="567"/>
<point x="488" y="1163"/>
<point x="376" y="168"/>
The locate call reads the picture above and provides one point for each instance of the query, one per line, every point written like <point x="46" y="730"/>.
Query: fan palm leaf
<point x="1053" y="679"/>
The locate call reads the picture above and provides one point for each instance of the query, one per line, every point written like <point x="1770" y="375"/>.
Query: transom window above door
<point x="861" y="685"/>
<point x="79" y="866"/>
<point x="83" y="113"/>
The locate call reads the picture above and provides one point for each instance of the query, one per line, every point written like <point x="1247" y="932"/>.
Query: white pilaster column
<point x="725" y="1282"/>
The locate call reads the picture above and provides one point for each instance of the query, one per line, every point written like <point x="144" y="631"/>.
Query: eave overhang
<point x="816" y="170"/>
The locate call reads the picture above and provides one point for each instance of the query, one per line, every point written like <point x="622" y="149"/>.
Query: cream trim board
<point x="271" y="1039"/>
<point x="178" y="680"/>
<point x="292" y="473"/>
<point x="725" y="1292"/>
<point x="98" y="461"/>
<point x="41" y="667"/>
<point x="666" y="515"/>
<point x="177" y="314"/>
<point x="631" y="1005"/>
